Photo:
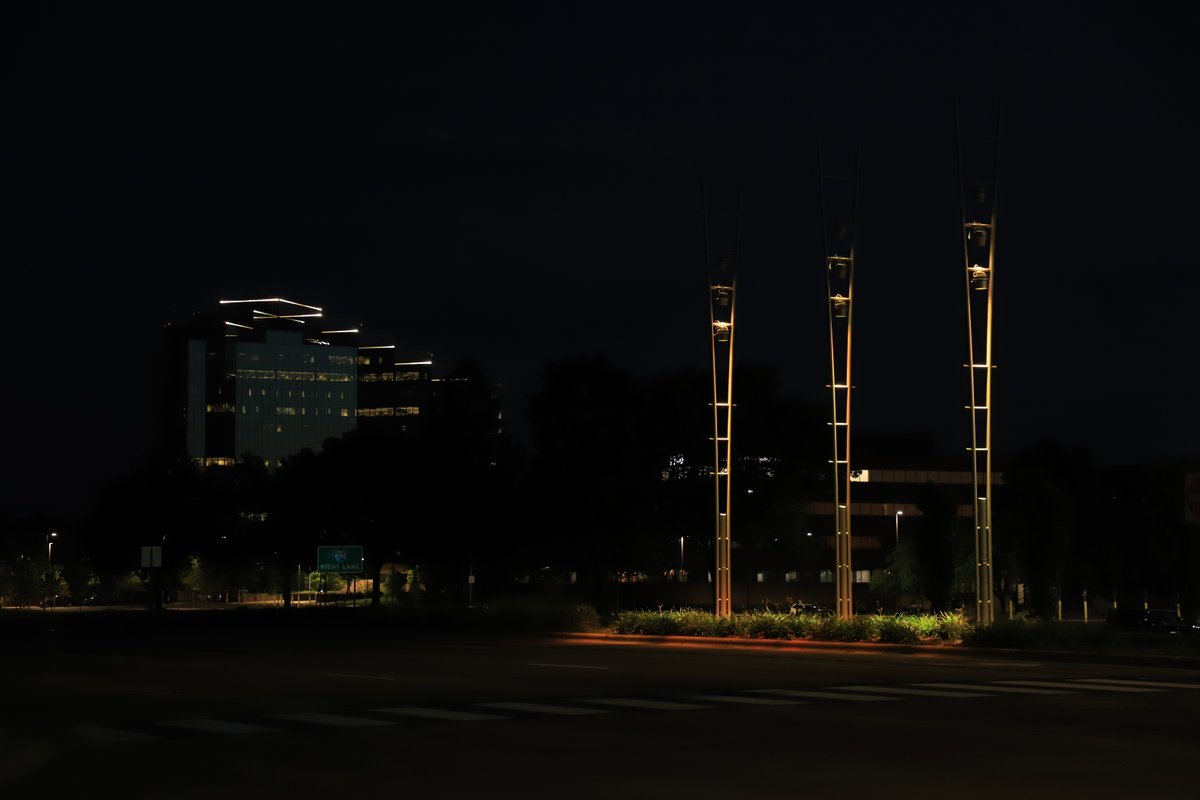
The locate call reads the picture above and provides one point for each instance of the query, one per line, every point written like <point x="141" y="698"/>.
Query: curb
<point x="726" y="643"/>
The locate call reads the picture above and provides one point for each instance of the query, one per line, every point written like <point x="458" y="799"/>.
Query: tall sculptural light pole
<point x="721" y="233"/>
<point x="978" y="198"/>
<point x="839" y="200"/>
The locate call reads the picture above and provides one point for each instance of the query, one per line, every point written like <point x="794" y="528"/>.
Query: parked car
<point x="1153" y="620"/>
<point x="810" y="608"/>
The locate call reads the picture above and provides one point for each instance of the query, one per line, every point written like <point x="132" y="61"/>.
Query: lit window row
<point x="220" y="408"/>
<point x="372" y="377"/>
<point x="860" y="576"/>
<point x="390" y="411"/>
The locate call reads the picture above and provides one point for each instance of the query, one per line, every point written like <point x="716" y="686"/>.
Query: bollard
<point x="1060" y="609"/>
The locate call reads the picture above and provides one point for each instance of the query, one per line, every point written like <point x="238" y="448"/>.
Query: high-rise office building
<point x="270" y="377"/>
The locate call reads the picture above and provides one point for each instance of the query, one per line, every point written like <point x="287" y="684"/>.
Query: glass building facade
<point x="272" y="377"/>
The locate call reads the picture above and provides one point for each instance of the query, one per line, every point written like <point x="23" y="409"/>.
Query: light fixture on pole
<point x="899" y="514"/>
<point x="50" y="537"/>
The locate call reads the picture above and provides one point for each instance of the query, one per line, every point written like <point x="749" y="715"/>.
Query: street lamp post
<point x="681" y="559"/>
<point x="50" y="537"/>
<point x="899" y="514"/>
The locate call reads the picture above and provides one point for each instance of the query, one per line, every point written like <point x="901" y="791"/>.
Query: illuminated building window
<point x="826" y="576"/>
<point x="286" y="411"/>
<point x="345" y="412"/>
<point x="862" y="576"/>
<point x="407" y="411"/>
<point x="364" y="361"/>
<point x="411" y="375"/>
<point x="219" y="408"/>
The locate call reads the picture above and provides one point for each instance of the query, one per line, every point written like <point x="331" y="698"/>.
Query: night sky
<point x="521" y="184"/>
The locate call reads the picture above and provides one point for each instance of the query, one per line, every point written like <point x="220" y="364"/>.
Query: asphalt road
<point x="301" y="712"/>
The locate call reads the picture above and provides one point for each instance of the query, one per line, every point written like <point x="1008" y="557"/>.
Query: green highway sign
<point x="348" y="558"/>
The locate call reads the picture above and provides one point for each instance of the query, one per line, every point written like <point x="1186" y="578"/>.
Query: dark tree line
<point x="618" y="473"/>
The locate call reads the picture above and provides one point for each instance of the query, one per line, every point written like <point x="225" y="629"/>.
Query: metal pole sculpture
<point x="978" y="198"/>
<point x="721" y="234"/>
<point x="839" y="201"/>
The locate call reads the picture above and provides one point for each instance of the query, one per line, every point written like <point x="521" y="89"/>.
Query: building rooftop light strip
<point x="377" y="347"/>
<point x="347" y="330"/>
<point x="414" y="363"/>
<point x="272" y="300"/>
<point x="237" y="325"/>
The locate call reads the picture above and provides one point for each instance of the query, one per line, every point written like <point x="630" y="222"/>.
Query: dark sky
<point x="520" y="183"/>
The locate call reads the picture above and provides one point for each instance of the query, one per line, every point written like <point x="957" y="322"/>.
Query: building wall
<point x="291" y="395"/>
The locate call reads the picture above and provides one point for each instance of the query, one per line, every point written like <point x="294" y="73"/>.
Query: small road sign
<point x="346" y="558"/>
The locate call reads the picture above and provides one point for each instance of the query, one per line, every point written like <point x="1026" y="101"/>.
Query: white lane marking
<point x="112" y="734"/>
<point x="438" y="713"/>
<point x="1156" y="684"/>
<point x="359" y="677"/>
<point x="629" y="702"/>
<point x="746" y="701"/>
<point x="991" y="687"/>
<point x="858" y="698"/>
<point x="334" y="720"/>
<point x="543" y="708"/>
<point x="901" y="690"/>
<point x="220" y="726"/>
<point x="564" y="666"/>
<point x="1064" y="685"/>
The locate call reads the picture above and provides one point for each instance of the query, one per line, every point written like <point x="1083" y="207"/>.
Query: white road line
<point x="359" y="677"/>
<point x="220" y="726"/>
<point x="113" y="735"/>
<point x="991" y="687"/>
<point x="913" y="692"/>
<point x="543" y="708"/>
<point x="629" y="702"/>
<point x="746" y="701"/>
<point x="857" y="698"/>
<point x="334" y="720"/>
<point x="1156" y="684"/>
<point x="1064" y="685"/>
<point x="565" y="666"/>
<point x="438" y="713"/>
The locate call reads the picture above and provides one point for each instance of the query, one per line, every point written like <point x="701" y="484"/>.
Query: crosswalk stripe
<point x="334" y="720"/>
<point x="991" y="687"/>
<point x="746" y="701"/>
<point x="913" y="692"/>
<point x="543" y="708"/>
<point x="220" y="726"/>
<point x="112" y="734"/>
<point x="857" y="698"/>
<point x="439" y="713"/>
<point x="628" y="702"/>
<point x="1064" y="685"/>
<point x="1156" y="684"/>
